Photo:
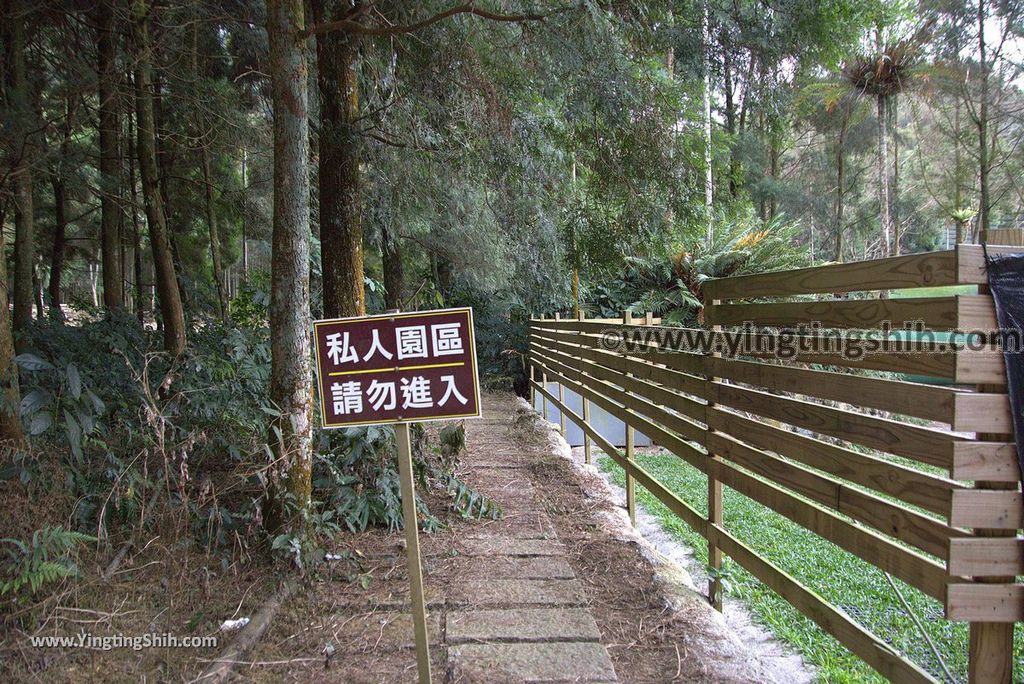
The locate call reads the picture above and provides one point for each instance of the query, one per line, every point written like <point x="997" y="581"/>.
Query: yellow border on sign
<point x="468" y="310"/>
<point x="396" y="369"/>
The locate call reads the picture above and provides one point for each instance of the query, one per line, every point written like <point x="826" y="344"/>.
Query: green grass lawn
<point x="857" y="587"/>
<point x="943" y="291"/>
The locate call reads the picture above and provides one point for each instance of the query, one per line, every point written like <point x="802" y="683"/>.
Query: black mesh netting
<point x="1006" y="281"/>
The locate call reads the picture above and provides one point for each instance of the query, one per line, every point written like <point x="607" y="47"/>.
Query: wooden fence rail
<point x="870" y="451"/>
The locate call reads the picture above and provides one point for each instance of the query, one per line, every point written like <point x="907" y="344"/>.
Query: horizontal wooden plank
<point x="986" y="557"/>
<point x="923" y="363"/>
<point x="652" y="344"/>
<point x="927" y="534"/>
<point x="961" y="312"/>
<point x="660" y="397"/>
<point x="983" y="365"/>
<point x="870" y="648"/>
<point x="690" y="516"/>
<point x="982" y="412"/>
<point x="985" y="602"/>
<point x="913" y="486"/>
<point x="912" y="399"/>
<point x="941" y="360"/>
<point x="926" y="445"/>
<point x="931" y="269"/>
<point x="970" y="265"/>
<point x="987" y="508"/>
<point x="993" y="461"/>
<point x="639" y="367"/>
<point x="659" y="435"/>
<point x="640" y="320"/>
<point x="899" y="561"/>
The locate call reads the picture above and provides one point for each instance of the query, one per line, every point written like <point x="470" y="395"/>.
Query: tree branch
<point x="466" y="8"/>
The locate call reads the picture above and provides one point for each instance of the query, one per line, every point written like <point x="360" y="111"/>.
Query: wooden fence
<point x="1006" y="236"/>
<point x="919" y="479"/>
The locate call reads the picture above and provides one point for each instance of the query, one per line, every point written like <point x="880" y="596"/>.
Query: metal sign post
<point x="399" y="368"/>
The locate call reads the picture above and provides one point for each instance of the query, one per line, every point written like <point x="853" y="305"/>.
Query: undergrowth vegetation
<point x="119" y="438"/>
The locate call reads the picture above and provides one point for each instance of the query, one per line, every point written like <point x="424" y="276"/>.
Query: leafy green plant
<point x="63" y="396"/>
<point x="672" y="288"/>
<point x="251" y="307"/>
<point x="46" y="558"/>
<point x="726" y="576"/>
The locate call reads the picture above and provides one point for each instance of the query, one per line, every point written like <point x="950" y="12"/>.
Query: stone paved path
<point x="526" y="617"/>
<point x="508" y="600"/>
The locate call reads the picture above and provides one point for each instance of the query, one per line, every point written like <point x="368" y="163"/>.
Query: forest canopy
<point x="185" y="186"/>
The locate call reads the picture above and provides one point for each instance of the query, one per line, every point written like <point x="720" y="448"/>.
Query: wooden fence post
<point x="561" y="396"/>
<point x="714" y="490"/>
<point x="544" y="384"/>
<point x="627" y="319"/>
<point x="529" y="366"/>
<point x="990" y="644"/>
<point x="586" y="402"/>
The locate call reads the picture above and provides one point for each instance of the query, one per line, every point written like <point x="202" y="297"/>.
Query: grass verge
<point x="857" y="587"/>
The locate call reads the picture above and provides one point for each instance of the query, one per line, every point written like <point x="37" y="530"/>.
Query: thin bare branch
<point x="397" y="29"/>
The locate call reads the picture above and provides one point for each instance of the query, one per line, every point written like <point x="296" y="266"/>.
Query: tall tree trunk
<point x="60" y="199"/>
<point x="211" y="220"/>
<point x="141" y="306"/>
<point x="576" y="291"/>
<point x="37" y="290"/>
<point x="245" y="209"/>
<point x="291" y="387"/>
<point x="166" y="281"/>
<point x="958" y="174"/>
<point x="205" y="141"/>
<point x="10" y="423"/>
<point x="747" y="86"/>
<point x="984" y="200"/>
<point x="110" y="176"/>
<point x="341" y="230"/>
<point x="60" y="210"/>
<point x="394" y="276"/>
<point x="730" y="112"/>
<point x="885" y="219"/>
<point x="18" y="101"/>
<point x="709" y="182"/>
<point x="841" y="186"/>
<point x="895" y="199"/>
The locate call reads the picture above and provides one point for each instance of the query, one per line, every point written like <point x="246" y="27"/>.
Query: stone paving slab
<point x="387" y="595"/>
<point x="507" y="567"/>
<point x="522" y="624"/>
<point x="385" y="631"/>
<point x="500" y="477"/>
<point x="491" y="592"/>
<point x="541" y="662"/>
<point x="517" y="507"/>
<point x="493" y="463"/>
<point x="530" y="525"/>
<point x="499" y="545"/>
